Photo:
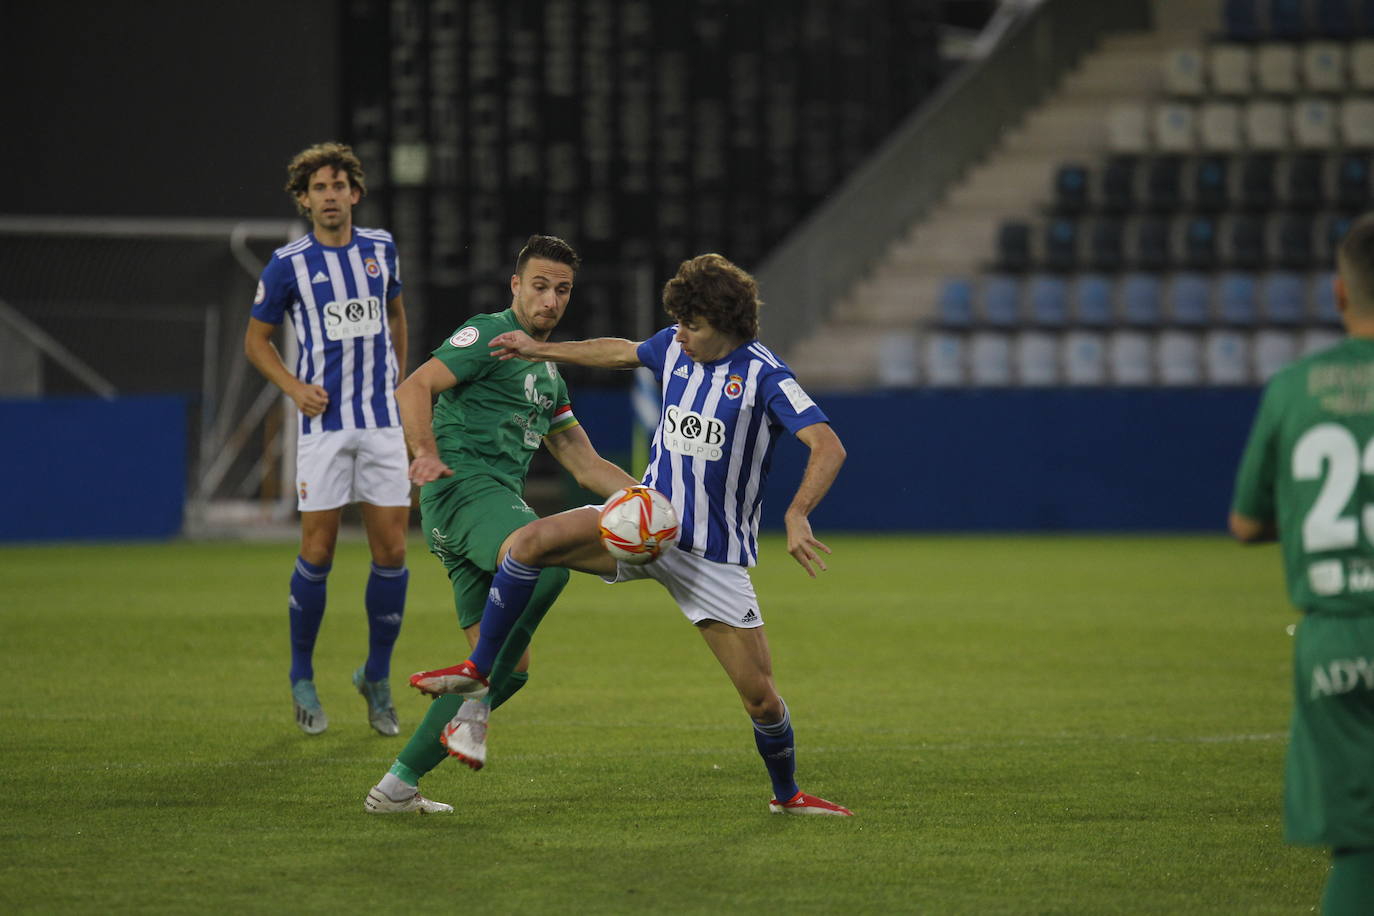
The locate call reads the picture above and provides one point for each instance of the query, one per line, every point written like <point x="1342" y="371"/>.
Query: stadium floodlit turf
<point x="1023" y="725"/>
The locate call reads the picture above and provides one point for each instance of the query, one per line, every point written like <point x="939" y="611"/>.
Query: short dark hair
<point x="709" y="286"/>
<point x="549" y="248"/>
<point x="310" y="160"/>
<point x="1355" y="262"/>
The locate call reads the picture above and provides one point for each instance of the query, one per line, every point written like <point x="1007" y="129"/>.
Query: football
<point x="638" y="524"/>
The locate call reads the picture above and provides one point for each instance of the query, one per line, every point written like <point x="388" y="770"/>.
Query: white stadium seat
<point x="1314" y="123"/>
<point x="1266" y="125"/>
<point x="1130" y="358"/>
<point x="1357" y="122"/>
<point x="1228" y="67"/>
<point x="1323" y="66"/>
<point x="1276" y="69"/>
<point x="1179" y="357"/>
<point x="944" y="359"/>
<point x="1362" y="65"/>
<point x="990" y="358"/>
<point x="1274" y="349"/>
<point x="1219" y="127"/>
<point x="1084" y="357"/>
<point x="1175" y="127"/>
<point x="1184" y="72"/>
<point x="1036" y="354"/>
<point x="1127" y="128"/>
<point x="897" y="359"/>
<point x="1226" y="357"/>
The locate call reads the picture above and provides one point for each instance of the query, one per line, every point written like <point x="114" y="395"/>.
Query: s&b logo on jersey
<point x="689" y="433"/>
<point x="353" y="318"/>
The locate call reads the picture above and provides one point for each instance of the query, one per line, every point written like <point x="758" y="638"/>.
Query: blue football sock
<point x="776" y="747"/>
<point x="385" y="600"/>
<point x="307" y="610"/>
<point x="511" y="588"/>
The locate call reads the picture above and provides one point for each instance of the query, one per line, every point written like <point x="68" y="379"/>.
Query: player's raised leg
<point x="743" y="653"/>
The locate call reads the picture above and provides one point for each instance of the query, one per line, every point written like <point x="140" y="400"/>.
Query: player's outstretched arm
<point x="415" y="401"/>
<point x="262" y="353"/>
<point x="574" y="450"/>
<point x="598" y="353"/>
<point x="827" y="455"/>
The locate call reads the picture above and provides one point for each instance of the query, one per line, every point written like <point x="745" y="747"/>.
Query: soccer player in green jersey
<point x="1307" y="477"/>
<point x="471" y="450"/>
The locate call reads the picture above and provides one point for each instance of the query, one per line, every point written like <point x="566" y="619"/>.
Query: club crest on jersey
<point x="373" y="269"/>
<point x="734" y="387"/>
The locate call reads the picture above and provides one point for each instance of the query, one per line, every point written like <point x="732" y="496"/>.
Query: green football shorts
<point x="1329" y="777"/>
<point x="465" y="523"/>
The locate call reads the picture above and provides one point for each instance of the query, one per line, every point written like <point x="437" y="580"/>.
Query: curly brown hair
<point x="709" y="286"/>
<point x="310" y="160"/>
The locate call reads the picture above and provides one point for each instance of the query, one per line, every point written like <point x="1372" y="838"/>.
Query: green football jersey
<point x="492" y="422"/>
<point x="1309" y="467"/>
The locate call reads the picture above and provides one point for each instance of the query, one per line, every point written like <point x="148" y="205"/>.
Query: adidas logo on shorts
<point x="749" y="616"/>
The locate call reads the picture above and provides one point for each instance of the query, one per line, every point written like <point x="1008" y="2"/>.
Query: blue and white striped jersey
<point x="715" y="437"/>
<point x="337" y="298"/>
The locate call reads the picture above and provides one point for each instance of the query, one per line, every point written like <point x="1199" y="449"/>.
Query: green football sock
<point x="1350" y="885"/>
<point x="423" y="752"/>
<point x="506" y="689"/>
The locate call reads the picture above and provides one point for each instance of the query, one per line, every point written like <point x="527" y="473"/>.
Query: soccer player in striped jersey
<point x="473" y="425"/>
<point x="726" y="400"/>
<point x="340" y="286"/>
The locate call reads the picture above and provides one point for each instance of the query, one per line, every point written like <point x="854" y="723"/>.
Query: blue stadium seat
<point x="1061" y="243"/>
<point x="954" y="307"/>
<point x="1092" y="297"/>
<point x="1001" y="300"/>
<point x="1293" y="238"/>
<point x="1106" y="246"/>
<point x="1118" y="193"/>
<point x="1164" y="184"/>
<point x="1140" y="299"/>
<point x="1071" y="188"/>
<point x="1323" y="291"/>
<point x="1190" y="299"/>
<point x="1200" y="242"/>
<point x="1284" y="295"/>
<point x="1150" y="248"/>
<point x="1332" y="227"/>
<point x="1013" y="246"/>
<point x="1241" y="20"/>
<point x="1237" y="292"/>
<point x="1287" y="19"/>
<point x="1049" y="300"/>
<point x="1246" y="247"/>
<point x="1352" y="189"/>
<point x="1333" y="18"/>
<point x="1257" y="182"/>
<point x="1211" y="183"/>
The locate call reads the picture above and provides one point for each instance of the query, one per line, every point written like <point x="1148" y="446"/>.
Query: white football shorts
<point x="702" y="588"/>
<point x="340" y="466"/>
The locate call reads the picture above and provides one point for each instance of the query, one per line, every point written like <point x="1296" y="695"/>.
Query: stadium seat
<point x="1304" y="181"/>
<point x="1211" y="183"/>
<point x="990" y="359"/>
<point x="1357" y="123"/>
<point x="1323" y="66"/>
<point x="1228" y="70"/>
<point x="1092" y="300"/>
<point x="1273" y="349"/>
<point x="1237" y="295"/>
<point x="1061" y="243"/>
<point x="1199" y="242"/>
<point x="1140" y="299"/>
<point x="1036" y="358"/>
<point x="1001" y="300"/>
<point x="1179" y="358"/>
<point x="1293" y="241"/>
<point x="1226" y="357"/>
<point x="1190" y="299"/>
<point x="1287" y="19"/>
<point x="1149" y="245"/>
<point x="1183" y="72"/>
<point x="1333" y="19"/>
<point x="1314" y="339"/>
<point x="898" y="365"/>
<point x="1266" y="125"/>
<point x="1118" y="184"/>
<point x="1331" y="228"/>
<point x="1276" y="68"/>
<point x="954" y="307"/>
<point x="1314" y="123"/>
<point x="1071" y="188"/>
<point x="1321" y="287"/>
<point x="1245" y="243"/>
<point x="1049" y="300"/>
<point x="1257" y="181"/>
<point x="1283" y="295"/>
<point x="1128" y="128"/>
<point x="1241" y="20"/>
<point x="1219" y="127"/>
<point x="1083" y="355"/>
<point x="1362" y="66"/>
<point x="943" y="359"/>
<point x="1014" y="246"/>
<point x="1130" y="358"/>
<point x="1352" y="189"/>
<point x="1164" y="184"/>
<point x="1106" y="245"/>
<point x="1175" y="127"/>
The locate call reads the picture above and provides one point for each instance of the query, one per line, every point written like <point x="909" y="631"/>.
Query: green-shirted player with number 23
<point x="1307" y="476"/>
<point x="471" y="450"/>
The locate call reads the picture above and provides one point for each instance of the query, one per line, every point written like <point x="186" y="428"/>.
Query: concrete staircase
<point x="958" y="237"/>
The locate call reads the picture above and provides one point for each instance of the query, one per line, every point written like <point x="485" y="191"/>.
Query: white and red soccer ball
<point x="638" y="524"/>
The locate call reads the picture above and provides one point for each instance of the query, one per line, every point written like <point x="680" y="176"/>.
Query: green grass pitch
<point x="1023" y="725"/>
